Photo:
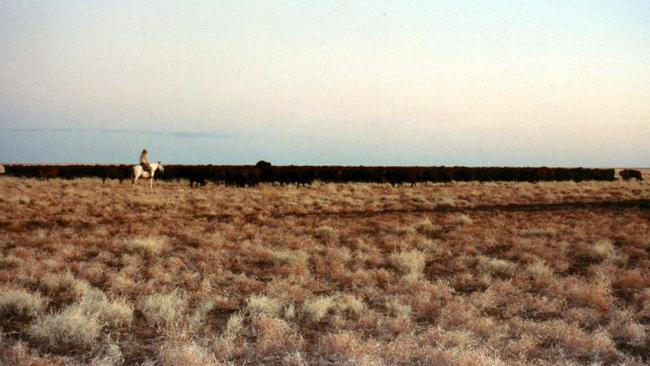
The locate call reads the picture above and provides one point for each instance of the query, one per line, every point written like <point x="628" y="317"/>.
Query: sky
<point x="477" y="83"/>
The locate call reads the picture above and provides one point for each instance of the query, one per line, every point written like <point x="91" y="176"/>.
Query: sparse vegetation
<point x="327" y="233"/>
<point x="397" y="309"/>
<point x="462" y="219"/>
<point x="539" y="232"/>
<point x="260" y="304"/>
<point x="19" y="303"/>
<point x="150" y="246"/>
<point x="327" y="274"/>
<point x="351" y="305"/>
<point x="234" y="326"/>
<point x="191" y="354"/>
<point x="163" y="309"/>
<point x="603" y="250"/>
<point x="316" y="308"/>
<point x="408" y="263"/>
<point x="72" y="327"/>
<point x="495" y="266"/>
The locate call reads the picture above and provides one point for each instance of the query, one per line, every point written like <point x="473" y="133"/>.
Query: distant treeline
<point x="252" y="175"/>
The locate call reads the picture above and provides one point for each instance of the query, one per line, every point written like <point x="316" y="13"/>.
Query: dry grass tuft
<point x="111" y="356"/>
<point x="290" y="312"/>
<point x="350" y="305"/>
<point x="293" y="257"/>
<point x="20" y="303"/>
<point x="446" y="202"/>
<point x="234" y="326"/>
<point x="596" y="295"/>
<point x="149" y="246"/>
<point x="294" y="359"/>
<point x="274" y="336"/>
<point x="261" y="304"/>
<point x="461" y="219"/>
<point x="632" y="333"/>
<point x="397" y="309"/>
<point x="113" y="313"/>
<point x="10" y="262"/>
<point x="59" y="282"/>
<point x="539" y="270"/>
<point x="327" y="233"/>
<point x="426" y="227"/>
<point x="603" y="250"/>
<point x="72" y="327"/>
<point x="408" y="263"/>
<point x="163" y="309"/>
<point x="95" y="303"/>
<point x="200" y="314"/>
<point x="316" y="308"/>
<point x="496" y="266"/>
<point x="190" y="354"/>
<point x="345" y="347"/>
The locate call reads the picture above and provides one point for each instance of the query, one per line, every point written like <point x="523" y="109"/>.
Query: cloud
<point x="177" y="134"/>
<point x="23" y="129"/>
<point x="192" y="135"/>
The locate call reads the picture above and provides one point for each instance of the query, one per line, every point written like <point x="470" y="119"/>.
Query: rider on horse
<point x="144" y="161"/>
<point x="145" y="169"/>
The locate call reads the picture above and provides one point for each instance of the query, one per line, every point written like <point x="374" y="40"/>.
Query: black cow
<point x="242" y="176"/>
<point x="47" y="172"/>
<point x="119" y="172"/>
<point x="628" y="174"/>
<point x="197" y="176"/>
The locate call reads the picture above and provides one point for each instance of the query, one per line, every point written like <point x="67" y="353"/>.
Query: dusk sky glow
<point x="519" y="83"/>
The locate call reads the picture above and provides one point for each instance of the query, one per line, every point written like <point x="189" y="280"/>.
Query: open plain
<point x="438" y="274"/>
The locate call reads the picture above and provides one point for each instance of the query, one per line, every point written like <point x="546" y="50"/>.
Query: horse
<point x="137" y="171"/>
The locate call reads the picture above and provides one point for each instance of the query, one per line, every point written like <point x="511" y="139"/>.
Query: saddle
<point x="146" y="170"/>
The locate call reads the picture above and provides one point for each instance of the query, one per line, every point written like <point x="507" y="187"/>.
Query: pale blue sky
<point x="326" y="82"/>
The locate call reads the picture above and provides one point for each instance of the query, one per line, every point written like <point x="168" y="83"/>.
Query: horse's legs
<point x="151" y="183"/>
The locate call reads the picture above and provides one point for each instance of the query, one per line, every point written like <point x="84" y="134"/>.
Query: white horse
<point x="138" y="171"/>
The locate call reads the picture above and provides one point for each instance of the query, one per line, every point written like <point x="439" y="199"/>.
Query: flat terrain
<point x="457" y="274"/>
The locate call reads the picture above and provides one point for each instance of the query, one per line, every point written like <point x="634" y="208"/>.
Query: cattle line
<point x="263" y="172"/>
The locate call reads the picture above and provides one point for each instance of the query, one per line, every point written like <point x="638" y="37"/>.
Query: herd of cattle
<point x="252" y="175"/>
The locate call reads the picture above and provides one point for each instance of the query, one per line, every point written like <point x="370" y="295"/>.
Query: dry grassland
<point x="444" y="274"/>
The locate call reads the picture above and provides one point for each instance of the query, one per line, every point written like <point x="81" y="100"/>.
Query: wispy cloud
<point x="192" y="135"/>
<point x="178" y="134"/>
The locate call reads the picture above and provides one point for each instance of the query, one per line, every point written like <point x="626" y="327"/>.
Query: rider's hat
<point x="144" y="150"/>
